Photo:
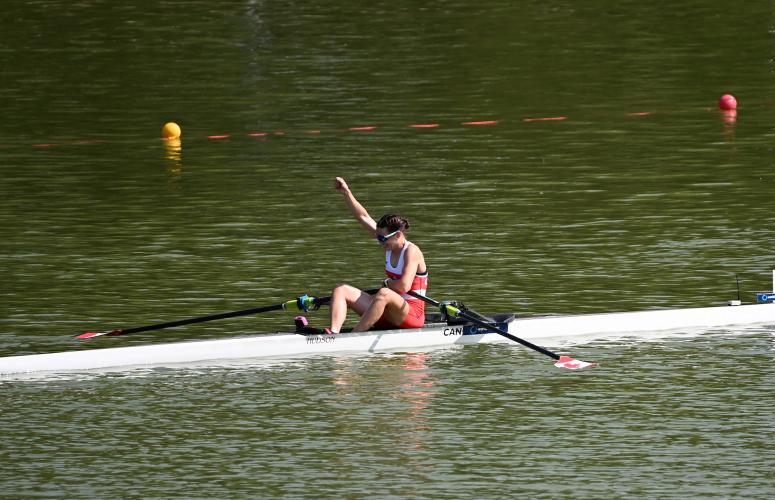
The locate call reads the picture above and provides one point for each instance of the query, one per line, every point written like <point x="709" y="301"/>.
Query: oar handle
<point x="450" y="309"/>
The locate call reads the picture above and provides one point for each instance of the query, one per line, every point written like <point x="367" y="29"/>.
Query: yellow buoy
<point x="170" y="130"/>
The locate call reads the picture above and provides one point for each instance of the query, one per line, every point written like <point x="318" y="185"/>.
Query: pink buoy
<point x="727" y="102"/>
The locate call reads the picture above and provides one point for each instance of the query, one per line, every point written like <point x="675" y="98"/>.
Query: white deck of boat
<point x="284" y="344"/>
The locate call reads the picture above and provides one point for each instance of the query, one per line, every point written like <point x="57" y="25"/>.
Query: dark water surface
<point x="638" y="194"/>
<point x="676" y="418"/>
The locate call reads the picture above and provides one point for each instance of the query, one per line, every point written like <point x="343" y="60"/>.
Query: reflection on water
<point x="417" y="391"/>
<point x="173" y="159"/>
<point x="403" y="379"/>
<point x="729" y="119"/>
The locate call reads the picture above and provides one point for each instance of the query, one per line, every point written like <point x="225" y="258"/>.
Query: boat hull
<point x="272" y="345"/>
<point x="643" y="321"/>
<point x="283" y="345"/>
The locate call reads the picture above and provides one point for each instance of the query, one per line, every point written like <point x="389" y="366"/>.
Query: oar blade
<point x="89" y="335"/>
<point x="573" y="364"/>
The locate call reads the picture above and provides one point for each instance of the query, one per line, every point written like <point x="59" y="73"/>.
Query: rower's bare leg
<point x="386" y="303"/>
<point x="343" y="297"/>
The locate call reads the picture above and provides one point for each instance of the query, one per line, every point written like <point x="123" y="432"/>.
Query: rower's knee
<point x="382" y="295"/>
<point x="345" y="292"/>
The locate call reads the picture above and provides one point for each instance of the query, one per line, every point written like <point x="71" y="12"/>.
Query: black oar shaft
<point x="304" y="302"/>
<point x="492" y="327"/>
<point x="211" y="317"/>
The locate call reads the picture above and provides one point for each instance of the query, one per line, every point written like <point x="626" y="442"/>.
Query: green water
<point x="103" y="225"/>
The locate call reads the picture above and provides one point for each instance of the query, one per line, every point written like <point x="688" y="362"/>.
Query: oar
<point x="305" y="303"/>
<point x="561" y="361"/>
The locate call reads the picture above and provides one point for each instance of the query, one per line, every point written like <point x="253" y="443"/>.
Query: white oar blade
<point x="573" y="364"/>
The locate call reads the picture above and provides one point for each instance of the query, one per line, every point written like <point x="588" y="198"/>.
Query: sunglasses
<point x="383" y="239"/>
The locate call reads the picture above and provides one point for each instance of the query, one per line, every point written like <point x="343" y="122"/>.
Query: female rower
<point x="391" y="306"/>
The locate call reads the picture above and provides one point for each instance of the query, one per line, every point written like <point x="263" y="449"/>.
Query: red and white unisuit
<point x="416" y="316"/>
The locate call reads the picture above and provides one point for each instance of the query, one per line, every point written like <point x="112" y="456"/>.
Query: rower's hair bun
<point x="393" y="222"/>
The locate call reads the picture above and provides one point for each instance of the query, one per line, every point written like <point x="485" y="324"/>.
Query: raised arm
<point x="360" y="213"/>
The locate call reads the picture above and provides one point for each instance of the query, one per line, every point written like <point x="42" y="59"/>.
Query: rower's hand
<point x="340" y="185"/>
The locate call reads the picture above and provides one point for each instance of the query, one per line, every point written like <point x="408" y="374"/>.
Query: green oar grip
<point x="307" y="303"/>
<point x="450" y="309"/>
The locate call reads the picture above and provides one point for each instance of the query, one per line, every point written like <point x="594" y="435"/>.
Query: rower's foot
<point x="301" y="322"/>
<point x="302" y="326"/>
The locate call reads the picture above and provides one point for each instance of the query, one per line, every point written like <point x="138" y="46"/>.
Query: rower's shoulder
<point x="413" y="249"/>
